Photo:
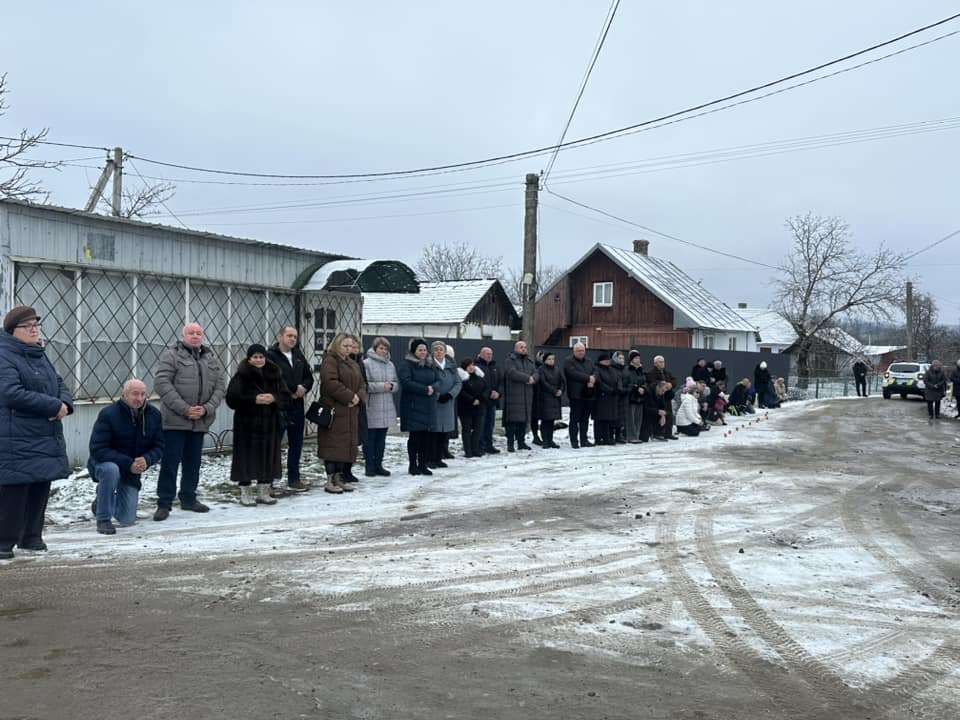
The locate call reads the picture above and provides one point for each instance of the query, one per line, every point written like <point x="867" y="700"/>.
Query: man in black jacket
<point x="299" y="378"/>
<point x="491" y="374"/>
<point x="581" y="380"/>
<point x="860" y="377"/>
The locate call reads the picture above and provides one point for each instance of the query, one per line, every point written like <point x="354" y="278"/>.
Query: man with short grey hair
<point x="189" y="380"/>
<point x="286" y="355"/>
<point x="127" y="438"/>
<point x="581" y="380"/>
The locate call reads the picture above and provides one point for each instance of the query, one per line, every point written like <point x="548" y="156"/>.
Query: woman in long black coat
<point x="470" y="406"/>
<point x="549" y="395"/>
<point x="609" y="394"/>
<point x="419" y="380"/>
<point x="259" y="396"/>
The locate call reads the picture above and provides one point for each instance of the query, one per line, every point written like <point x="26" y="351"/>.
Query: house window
<point x="574" y="339"/>
<point x="325" y="328"/>
<point x="603" y="294"/>
<point x="732" y="344"/>
<point x="708" y="342"/>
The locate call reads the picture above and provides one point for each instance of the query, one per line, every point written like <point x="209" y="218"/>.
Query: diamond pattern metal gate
<point x="102" y="328"/>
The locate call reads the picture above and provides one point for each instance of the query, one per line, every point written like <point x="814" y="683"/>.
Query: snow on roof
<point x="773" y="327"/>
<point x="677" y="289"/>
<point x="841" y="340"/>
<point x="437" y="302"/>
<point x="881" y="349"/>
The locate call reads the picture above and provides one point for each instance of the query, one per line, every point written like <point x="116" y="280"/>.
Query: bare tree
<point x="15" y="159"/>
<point x="455" y="261"/>
<point x="512" y="281"/>
<point x="142" y="200"/>
<point x="825" y="277"/>
<point x="925" y="330"/>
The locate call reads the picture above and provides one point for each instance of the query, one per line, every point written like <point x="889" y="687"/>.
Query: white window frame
<point x="605" y="294"/>
<point x="732" y="344"/>
<point x="708" y="341"/>
<point x="574" y="339"/>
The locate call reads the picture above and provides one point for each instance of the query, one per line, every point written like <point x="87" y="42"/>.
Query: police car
<point x="904" y="377"/>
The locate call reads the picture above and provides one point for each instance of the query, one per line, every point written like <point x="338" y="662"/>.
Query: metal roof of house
<point x="773" y="327"/>
<point x="697" y="306"/>
<point x="440" y="303"/>
<point x="877" y="350"/>
<point x="841" y="340"/>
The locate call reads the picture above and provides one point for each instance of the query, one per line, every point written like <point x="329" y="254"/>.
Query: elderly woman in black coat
<point x="550" y="387"/>
<point x="935" y="387"/>
<point x="419" y="380"/>
<point x="259" y="397"/>
<point x="33" y="401"/>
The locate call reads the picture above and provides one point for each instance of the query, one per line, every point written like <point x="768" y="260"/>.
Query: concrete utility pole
<point x="117" y="180"/>
<point x="528" y="334"/>
<point x="909" y="320"/>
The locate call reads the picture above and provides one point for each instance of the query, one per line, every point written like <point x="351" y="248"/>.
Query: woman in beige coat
<point x="342" y="388"/>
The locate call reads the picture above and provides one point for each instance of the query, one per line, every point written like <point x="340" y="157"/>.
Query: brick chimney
<point x="641" y="247"/>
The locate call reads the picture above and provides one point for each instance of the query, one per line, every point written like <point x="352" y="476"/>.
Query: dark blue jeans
<point x="181" y="449"/>
<point x="374" y="448"/>
<point x="488" y="423"/>
<point x="294" y="430"/>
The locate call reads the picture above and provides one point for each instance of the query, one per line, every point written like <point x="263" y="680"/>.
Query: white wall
<point x="446" y="332"/>
<point x="746" y="341"/>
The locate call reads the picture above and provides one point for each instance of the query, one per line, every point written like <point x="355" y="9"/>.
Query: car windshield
<point x="904" y="368"/>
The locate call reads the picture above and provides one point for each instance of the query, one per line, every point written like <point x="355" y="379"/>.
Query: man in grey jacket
<point x="189" y="380"/>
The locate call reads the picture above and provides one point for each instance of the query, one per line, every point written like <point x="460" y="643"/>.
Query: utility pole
<point x="531" y="197"/>
<point x="909" y="320"/>
<point x="113" y="167"/>
<point x="117" y="180"/>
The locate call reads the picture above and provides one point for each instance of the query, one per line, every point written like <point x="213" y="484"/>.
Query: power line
<point x="510" y="157"/>
<point x="647" y="228"/>
<point x="931" y="245"/>
<point x="583" y="86"/>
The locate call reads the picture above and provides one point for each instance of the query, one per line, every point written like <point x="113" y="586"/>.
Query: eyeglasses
<point x="28" y="326"/>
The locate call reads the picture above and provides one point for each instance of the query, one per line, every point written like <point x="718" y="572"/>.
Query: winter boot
<point x="247" y="497"/>
<point x="331" y="486"/>
<point x="263" y="494"/>
<point x="341" y="482"/>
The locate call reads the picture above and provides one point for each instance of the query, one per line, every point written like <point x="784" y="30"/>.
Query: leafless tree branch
<point x="825" y="278"/>
<point x="512" y="281"/>
<point x="455" y="261"/>
<point x="143" y="200"/>
<point x="14" y="159"/>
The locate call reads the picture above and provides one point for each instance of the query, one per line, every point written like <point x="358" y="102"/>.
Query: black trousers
<point x="861" y="385"/>
<point x="22" y="508"/>
<point x="691" y="430"/>
<point x="546" y="431"/>
<point x="933" y="407"/>
<point x="580" y="411"/>
<point x="417" y="448"/>
<point x="603" y="431"/>
<point x="471" y="424"/>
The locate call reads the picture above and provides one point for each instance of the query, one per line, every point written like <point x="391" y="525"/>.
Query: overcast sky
<point x="346" y="87"/>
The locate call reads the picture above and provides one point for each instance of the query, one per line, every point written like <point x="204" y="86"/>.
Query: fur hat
<point x="415" y="343"/>
<point x="18" y="315"/>
<point x="603" y="356"/>
<point x="632" y="355"/>
<point x="717" y="364"/>
<point x="255" y="349"/>
<point x="763" y="364"/>
<point x="547" y="353"/>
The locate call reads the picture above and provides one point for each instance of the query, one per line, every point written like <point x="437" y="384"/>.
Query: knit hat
<point x="415" y="343"/>
<point x="717" y="364"/>
<point x="689" y="384"/>
<point x="763" y="364"/>
<point x="633" y="354"/>
<point x="548" y="353"/>
<point x="255" y="349"/>
<point x="603" y="356"/>
<point x="18" y="315"/>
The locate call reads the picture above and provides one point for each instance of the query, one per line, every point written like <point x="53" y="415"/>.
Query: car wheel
<point x="903" y="396"/>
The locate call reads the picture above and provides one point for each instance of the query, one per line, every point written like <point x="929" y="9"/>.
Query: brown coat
<point x="340" y="380"/>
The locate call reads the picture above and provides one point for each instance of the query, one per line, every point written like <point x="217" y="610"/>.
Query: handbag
<point x="320" y="415"/>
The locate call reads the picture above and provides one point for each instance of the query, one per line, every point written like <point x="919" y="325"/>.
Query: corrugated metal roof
<point x="170" y="228"/>
<point x="698" y="305"/>
<point x="773" y="327"/>
<point x="437" y="302"/>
